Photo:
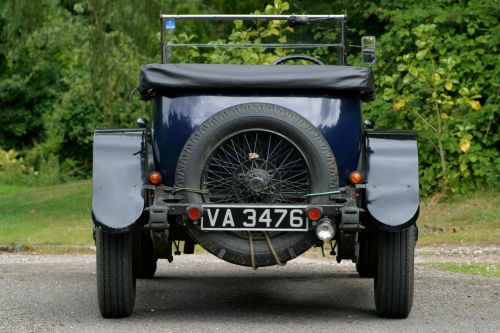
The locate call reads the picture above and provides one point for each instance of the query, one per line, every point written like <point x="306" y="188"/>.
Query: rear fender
<point x="391" y="173"/>
<point x="117" y="184"/>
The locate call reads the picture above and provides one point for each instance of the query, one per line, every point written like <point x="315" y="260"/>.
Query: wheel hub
<point x="257" y="180"/>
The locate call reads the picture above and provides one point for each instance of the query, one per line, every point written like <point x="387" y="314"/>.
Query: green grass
<point x="471" y="220"/>
<point x="483" y="269"/>
<point x="57" y="217"/>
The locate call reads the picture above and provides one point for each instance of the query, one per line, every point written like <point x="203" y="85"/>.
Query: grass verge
<point x="48" y="219"/>
<point x="473" y="220"/>
<point x="483" y="269"/>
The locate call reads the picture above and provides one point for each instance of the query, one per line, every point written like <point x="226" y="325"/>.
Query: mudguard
<point x="391" y="171"/>
<point x="117" y="184"/>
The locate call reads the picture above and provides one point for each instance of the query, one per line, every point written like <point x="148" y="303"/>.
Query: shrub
<point x="438" y="73"/>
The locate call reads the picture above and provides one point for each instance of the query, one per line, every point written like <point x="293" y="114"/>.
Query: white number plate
<point x="255" y="218"/>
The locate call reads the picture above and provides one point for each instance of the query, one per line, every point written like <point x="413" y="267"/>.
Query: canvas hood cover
<point x="180" y="79"/>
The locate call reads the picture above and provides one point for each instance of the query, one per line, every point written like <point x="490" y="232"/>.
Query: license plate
<point x="254" y="218"/>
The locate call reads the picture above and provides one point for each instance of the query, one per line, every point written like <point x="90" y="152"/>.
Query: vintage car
<point x="256" y="163"/>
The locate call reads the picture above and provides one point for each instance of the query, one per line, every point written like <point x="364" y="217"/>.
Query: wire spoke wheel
<point x="256" y="167"/>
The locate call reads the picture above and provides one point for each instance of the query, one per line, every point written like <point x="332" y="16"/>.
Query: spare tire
<point x="240" y="144"/>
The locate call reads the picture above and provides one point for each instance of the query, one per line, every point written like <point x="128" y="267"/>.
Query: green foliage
<point x="16" y="170"/>
<point x="438" y="73"/>
<point x="66" y="73"/>
<point x="30" y="62"/>
<point x="271" y="32"/>
<point x="234" y="49"/>
<point x="13" y="167"/>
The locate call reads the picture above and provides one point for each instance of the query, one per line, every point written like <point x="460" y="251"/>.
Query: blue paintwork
<point x="337" y="118"/>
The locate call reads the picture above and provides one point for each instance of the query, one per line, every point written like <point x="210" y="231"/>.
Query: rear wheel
<point x="366" y="265"/>
<point x="145" y="260"/>
<point x="115" y="276"/>
<point x="394" y="278"/>
<point x="256" y="153"/>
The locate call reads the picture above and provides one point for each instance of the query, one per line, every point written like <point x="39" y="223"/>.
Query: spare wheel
<point x="275" y="145"/>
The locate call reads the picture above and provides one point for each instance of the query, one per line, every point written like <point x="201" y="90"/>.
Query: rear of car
<point x="257" y="164"/>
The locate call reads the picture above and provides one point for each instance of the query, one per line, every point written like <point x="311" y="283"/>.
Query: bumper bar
<point x="167" y="204"/>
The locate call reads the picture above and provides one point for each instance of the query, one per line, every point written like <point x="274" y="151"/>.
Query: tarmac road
<point x="203" y="294"/>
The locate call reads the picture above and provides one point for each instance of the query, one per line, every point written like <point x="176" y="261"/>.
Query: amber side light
<point x="355" y="177"/>
<point x="155" y="178"/>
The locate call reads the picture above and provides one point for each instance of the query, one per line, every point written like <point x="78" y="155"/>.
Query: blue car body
<point x="329" y="97"/>
<point x="176" y="118"/>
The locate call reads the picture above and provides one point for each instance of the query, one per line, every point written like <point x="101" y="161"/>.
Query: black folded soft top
<point x="176" y="79"/>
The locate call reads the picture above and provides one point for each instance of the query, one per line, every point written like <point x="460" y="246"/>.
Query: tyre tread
<point x="395" y="276"/>
<point x="115" y="280"/>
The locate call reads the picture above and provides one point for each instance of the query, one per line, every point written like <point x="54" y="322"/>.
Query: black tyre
<point x="259" y="139"/>
<point x="394" y="279"/>
<point x="366" y="265"/>
<point x="115" y="277"/>
<point x="145" y="260"/>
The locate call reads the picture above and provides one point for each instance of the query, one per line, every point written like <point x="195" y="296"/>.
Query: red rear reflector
<point x="314" y="213"/>
<point x="194" y="213"/>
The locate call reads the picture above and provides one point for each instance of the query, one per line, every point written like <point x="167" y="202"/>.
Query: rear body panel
<point x="175" y="119"/>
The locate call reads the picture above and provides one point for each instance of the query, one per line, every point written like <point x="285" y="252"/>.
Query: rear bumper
<point x="343" y="209"/>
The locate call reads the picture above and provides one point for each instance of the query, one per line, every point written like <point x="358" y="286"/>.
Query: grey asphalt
<point x="203" y="294"/>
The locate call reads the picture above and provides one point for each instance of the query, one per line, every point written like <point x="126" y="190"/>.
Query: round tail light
<point x="194" y="213"/>
<point x="314" y="213"/>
